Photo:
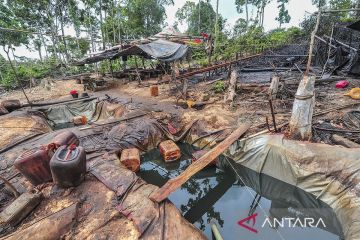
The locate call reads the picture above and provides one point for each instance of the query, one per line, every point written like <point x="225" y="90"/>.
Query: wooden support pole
<point x="173" y="184"/>
<point x="302" y="112"/>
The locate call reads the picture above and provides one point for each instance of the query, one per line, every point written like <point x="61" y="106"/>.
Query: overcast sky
<point x="297" y="10"/>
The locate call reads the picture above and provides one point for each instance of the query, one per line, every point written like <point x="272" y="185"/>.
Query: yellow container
<point x="354" y="93"/>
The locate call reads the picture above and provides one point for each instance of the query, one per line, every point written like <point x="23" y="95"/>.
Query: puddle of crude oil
<point x="218" y="195"/>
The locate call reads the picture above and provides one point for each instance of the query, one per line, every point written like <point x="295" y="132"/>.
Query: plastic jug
<point x="34" y="165"/>
<point x="68" y="166"/>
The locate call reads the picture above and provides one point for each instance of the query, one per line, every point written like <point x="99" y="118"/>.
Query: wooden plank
<point x="173" y="184"/>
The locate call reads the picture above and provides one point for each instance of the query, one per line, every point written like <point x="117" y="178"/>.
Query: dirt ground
<point x="251" y="104"/>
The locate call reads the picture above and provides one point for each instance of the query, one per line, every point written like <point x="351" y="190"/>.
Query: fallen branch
<point x="344" y="141"/>
<point x="337" y="130"/>
<point x="173" y="184"/>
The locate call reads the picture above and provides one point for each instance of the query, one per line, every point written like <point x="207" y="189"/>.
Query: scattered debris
<point x="130" y="158"/>
<point x="169" y="151"/>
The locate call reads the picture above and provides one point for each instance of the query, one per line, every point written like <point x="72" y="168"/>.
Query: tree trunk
<point x="15" y="73"/>
<point x="13" y="54"/>
<point x="247" y="14"/>
<point x="263" y="15"/>
<point x="40" y="55"/>
<point x="216" y="25"/>
<point x="199" y="20"/>
<point x="45" y="47"/>
<point x="63" y="36"/>
<point x="113" y="22"/>
<point x="230" y="96"/>
<point x="101" y="25"/>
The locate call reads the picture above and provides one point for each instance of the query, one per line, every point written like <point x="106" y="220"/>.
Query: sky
<point x="297" y="10"/>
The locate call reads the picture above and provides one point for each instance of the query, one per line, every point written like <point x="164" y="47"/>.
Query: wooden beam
<point x="173" y="184"/>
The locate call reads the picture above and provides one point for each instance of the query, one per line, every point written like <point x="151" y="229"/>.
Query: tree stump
<point x="230" y="96"/>
<point x="303" y="108"/>
<point x="274" y="87"/>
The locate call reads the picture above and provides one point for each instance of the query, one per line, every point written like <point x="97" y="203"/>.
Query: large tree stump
<point x="230" y="96"/>
<point x="303" y="108"/>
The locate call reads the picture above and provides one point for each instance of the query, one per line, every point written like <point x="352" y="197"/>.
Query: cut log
<point x="230" y="96"/>
<point x="173" y="184"/>
<point x="51" y="227"/>
<point x="344" y="142"/>
<point x="303" y="108"/>
<point x="274" y="86"/>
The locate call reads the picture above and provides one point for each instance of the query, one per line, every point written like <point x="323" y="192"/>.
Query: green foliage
<point x="283" y="16"/>
<point x="9" y="20"/>
<point x="189" y="13"/>
<point x="240" y="27"/>
<point x="219" y="87"/>
<point x="144" y="18"/>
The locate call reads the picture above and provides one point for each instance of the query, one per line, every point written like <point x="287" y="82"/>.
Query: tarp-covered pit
<point x="329" y="173"/>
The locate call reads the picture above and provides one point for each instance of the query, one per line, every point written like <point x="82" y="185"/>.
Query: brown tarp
<point x="112" y="202"/>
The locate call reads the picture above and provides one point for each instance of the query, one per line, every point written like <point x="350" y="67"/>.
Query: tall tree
<point x="259" y="5"/>
<point x="283" y="16"/>
<point x="145" y="18"/>
<point x="189" y="14"/>
<point x="9" y="38"/>
<point x="239" y="7"/>
<point x="216" y="25"/>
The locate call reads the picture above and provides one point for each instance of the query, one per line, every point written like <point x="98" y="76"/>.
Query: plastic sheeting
<point x="20" y="126"/>
<point x="92" y="110"/>
<point x="329" y="173"/>
<point x="162" y="50"/>
<point x="343" y="61"/>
